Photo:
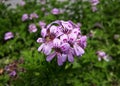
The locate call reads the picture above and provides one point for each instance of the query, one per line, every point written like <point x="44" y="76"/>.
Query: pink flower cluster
<point x="26" y="16"/>
<point x="22" y="3"/>
<point x="62" y="39"/>
<point x="56" y="11"/>
<point x="32" y="28"/>
<point x="94" y="3"/>
<point x="8" y="35"/>
<point x="102" y="55"/>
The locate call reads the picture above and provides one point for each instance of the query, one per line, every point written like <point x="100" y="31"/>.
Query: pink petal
<point x="65" y="47"/>
<point x="50" y="57"/>
<point x="64" y="38"/>
<point x="83" y="41"/>
<point x="53" y="29"/>
<point x="67" y="25"/>
<point x="72" y="37"/>
<point x="39" y="40"/>
<point x="76" y="31"/>
<point x="78" y="50"/>
<point x="47" y="49"/>
<point x="64" y="57"/>
<point x="70" y="57"/>
<point x="59" y="59"/>
<point x="56" y="42"/>
<point x="43" y="32"/>
<point x="58" y="32"/>
<point x="41" y="47"/>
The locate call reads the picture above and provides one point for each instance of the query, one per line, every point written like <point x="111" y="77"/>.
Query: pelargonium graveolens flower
<point x="42" y="24"/>
<point x="33" y="16"/>
<point x="102" y="55"/>
<point x="32" y="28"/>
<point x="55" y="11"/>
<point x="22" y="3"/>
<point x="94" y="4"/>
<point x="8" y="35"/>
<point x="62" y="39"/>
<point x="24" y="17"/>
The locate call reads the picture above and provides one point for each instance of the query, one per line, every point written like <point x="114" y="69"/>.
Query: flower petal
<point x="83" y="41"/>
<point x="65" y="47"/>
<point x="41" y="47"/>
<point x="44" y="32"/>
<point x="72" y="37"/>
<point x="64" y="57"/>
<point x="59" y="59"/>
<point x="70" y="57"/>
<point x="78" y="50"/>
<point x="53" y="29"/>
<point x="47" y="49"/>
<point x="56" y="42"/>
<point x="64" y="38"/>
<point x="50" y="56"/>
<point x="67" y="25"/>
<point x="39" y="40"/>
<point x="76" y="31"/>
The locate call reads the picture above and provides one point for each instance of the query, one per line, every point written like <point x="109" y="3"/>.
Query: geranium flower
<point x="33" y="16"/>
<point x="62" y="39"/>
<point x="102" y="55"/>
<point x="32" y="28"/>
<point x="94" y="4"/>
<point x="22" y="3"/>
<point x="8" y="35"/>
<point x="25" y="17"/>
<point x="55" y="11"/>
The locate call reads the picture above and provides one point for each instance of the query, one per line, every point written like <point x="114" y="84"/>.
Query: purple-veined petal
<point x="78" y="50"/>
<point x="67" y="25"/>
<point x="56" y="42"/>
<point x="83" y="41"/>
<point x="50" y="56"/>
<point x="47" y="49"/>
<point x="53" y="29"/>
<point x="76" y="31"/>
<point x="58" y="32"/>
<point x="59" y="59"/>
<point x="64" y="57"/>
<point x="70" y="57"/>
<point x="65" y="47"/>
<point x="72" y="37"/>
<point x="64" y="38"/>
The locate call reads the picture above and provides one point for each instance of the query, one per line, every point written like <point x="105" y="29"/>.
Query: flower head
<point x="42" y="24"/>
<point x="33" y="16"/>
<point x="62" y="39"/>
<point x="94" y="4"/>
<point x="22" y="3"/>
<point x="55" y="11"/>
<point x="32" y="28"/>
<point x="102" y="55"/>
<point x="24" y="17"/>
<point x="8" y="35"/>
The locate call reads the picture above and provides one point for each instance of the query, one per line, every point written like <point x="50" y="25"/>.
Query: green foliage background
<point x="86" y="70"/>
